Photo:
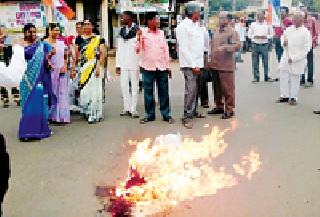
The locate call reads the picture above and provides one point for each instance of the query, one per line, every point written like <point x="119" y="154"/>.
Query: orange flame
<point x="176" y="169"/>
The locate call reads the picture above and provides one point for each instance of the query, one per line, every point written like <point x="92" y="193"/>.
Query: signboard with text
<point x="16" y="15"/>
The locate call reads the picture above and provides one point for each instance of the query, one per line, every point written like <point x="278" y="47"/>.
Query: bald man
<point x="296" y="41"/>
<point x="224" y="44"/>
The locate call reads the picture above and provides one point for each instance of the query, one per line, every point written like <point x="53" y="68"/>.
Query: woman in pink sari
<point x="60" y="111"/>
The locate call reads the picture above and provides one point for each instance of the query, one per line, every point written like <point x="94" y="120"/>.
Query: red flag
<point x="47" y="2"/>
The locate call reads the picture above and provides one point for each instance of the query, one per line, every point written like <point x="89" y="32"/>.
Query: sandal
<point x="187" y="123"/>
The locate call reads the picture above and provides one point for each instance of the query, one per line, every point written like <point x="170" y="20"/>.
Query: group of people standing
<point x="294" y="39"/>
<point x="52" y="65"/>
<point x="201" y="55"/>
<point x="146" y="50"/>
<point x="198" y="53"/>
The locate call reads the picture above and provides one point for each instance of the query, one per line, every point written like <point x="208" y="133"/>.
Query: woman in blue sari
<point x="35" y="87"/>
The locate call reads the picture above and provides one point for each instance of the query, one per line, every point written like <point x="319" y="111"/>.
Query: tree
<point x="317" y="6"/>
<point x="241" y="4"/>
<point x="217" y="5"/>
<point x="310" y="4"/>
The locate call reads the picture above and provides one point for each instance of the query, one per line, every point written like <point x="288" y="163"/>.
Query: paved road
<point x="57" y="176"/>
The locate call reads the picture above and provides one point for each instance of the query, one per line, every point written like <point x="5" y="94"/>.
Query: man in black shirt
<point x="79" y="29"/>
<point x="5" y="170"/>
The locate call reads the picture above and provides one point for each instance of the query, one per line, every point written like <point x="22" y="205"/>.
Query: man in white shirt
<point x="296" y="41"/>
<point x="190" y="37"/>
<point x="127" y="65"/>
<point x="241" y="30"/>
<point x="260" y="33"/>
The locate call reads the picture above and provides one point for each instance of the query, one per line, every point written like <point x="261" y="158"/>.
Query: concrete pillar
<point x="104" y="20"/>
<point x="265" y="4"/>
<point x="79" y="10"/>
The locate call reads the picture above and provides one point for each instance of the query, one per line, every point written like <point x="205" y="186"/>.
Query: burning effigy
<point x="173" y="169"/>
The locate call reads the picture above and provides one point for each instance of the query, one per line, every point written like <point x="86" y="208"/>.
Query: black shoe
<point x="205" y="104"/>
<point x="317" y="112"/>
<point x="125" y="113"/>
<point x="292" y="101"/>
<point x="73" y="112"/>
<point x="170" y="120"/>
<point x="215" y="111"/>
<point x="270" y="79"/>
<point x="227" y="116"/>
<point x="282" y="100"/>
<point x="145" y="120"/>
<point x="256" y="80"/>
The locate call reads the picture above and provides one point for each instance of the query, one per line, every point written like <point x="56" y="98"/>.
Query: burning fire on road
<point x="173" y="169"/>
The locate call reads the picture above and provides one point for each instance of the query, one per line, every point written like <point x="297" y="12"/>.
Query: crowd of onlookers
<point x="76" y="65"/>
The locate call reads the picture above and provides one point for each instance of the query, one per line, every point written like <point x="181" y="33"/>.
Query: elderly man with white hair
<point x="296" y="41"/>
<point x="191" y="42"/>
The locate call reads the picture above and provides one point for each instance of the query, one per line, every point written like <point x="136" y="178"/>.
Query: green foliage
<point x="218" y="5"/>
<point x="241" y="4"/>
<point x="317" y="6"/>
<point x="313" y="5"/>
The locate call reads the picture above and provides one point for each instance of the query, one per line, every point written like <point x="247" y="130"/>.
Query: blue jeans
<point x="161" y="80"/>
<point x="278" y="48"/>
<point x="239" y="53"/>
<point x="310" y="68"/>
<point x="257" y="51"/>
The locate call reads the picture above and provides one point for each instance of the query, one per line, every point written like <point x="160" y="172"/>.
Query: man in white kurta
<point x="190" y="37"/>
<point x="296" y="41"/>
<point x="127" y="65"/>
